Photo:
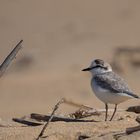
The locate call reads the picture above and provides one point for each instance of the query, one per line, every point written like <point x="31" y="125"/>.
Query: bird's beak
<point x="87" y="69"/>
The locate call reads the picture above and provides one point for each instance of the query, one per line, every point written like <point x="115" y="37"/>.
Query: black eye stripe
<point x="97" y="66"/>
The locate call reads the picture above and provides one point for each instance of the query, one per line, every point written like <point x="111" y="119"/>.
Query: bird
<point x="108" y="86"/>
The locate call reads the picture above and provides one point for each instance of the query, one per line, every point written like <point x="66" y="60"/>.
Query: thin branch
<point x="51" y="117"/>
<point x="9" y="58"/>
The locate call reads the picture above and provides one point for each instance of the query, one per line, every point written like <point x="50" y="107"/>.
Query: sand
<point x="99" y="130"/>
<point x="60" y="39"/>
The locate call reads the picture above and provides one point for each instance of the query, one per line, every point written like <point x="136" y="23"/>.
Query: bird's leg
<point x="106" y="107"/>
<point x="114" y="112"/>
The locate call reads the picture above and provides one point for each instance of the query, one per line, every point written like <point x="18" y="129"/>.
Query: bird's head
<point x="98" y="66"/>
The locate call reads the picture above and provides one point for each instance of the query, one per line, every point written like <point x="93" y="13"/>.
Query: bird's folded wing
<point x="113" y="82"/>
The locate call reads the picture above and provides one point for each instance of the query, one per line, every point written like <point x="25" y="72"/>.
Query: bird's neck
<point x="100" y="73"/>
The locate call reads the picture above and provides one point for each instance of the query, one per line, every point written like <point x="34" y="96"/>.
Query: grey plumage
<point x="113" y="82"/>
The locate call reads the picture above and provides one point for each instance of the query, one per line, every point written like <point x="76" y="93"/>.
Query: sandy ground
<point x="60" y="130"/>
<point x="61" y="38"/>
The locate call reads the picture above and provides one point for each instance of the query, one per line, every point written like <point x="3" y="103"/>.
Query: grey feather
<point x="113" y="82"/>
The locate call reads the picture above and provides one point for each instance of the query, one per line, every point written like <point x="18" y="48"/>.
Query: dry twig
<point x="9" y="58"/>
<point x="52" y="114"/>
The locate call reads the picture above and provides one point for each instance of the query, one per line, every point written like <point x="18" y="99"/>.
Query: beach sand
<point x="60" y="39"/>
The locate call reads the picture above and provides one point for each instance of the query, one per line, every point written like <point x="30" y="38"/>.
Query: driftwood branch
<point x="26" y="122"/>
<point x="132" y="129"/>
<point x="40" y="117"/>
<point x="135" y="109"/>
<point x="9" y="58"/>
<point x="77" y="116"/>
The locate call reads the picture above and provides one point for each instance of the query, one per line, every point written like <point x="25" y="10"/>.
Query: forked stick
<point x="9" y="58"/>
<point x="52" y="114"/>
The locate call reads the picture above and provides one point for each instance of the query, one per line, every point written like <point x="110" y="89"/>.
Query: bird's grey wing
<point x="113" y="82"/>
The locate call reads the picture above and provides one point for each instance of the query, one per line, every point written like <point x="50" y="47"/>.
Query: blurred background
<point x="60" y="39"/>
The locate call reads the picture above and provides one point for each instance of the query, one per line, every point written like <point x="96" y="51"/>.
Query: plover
<point x="109" y="87"/>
